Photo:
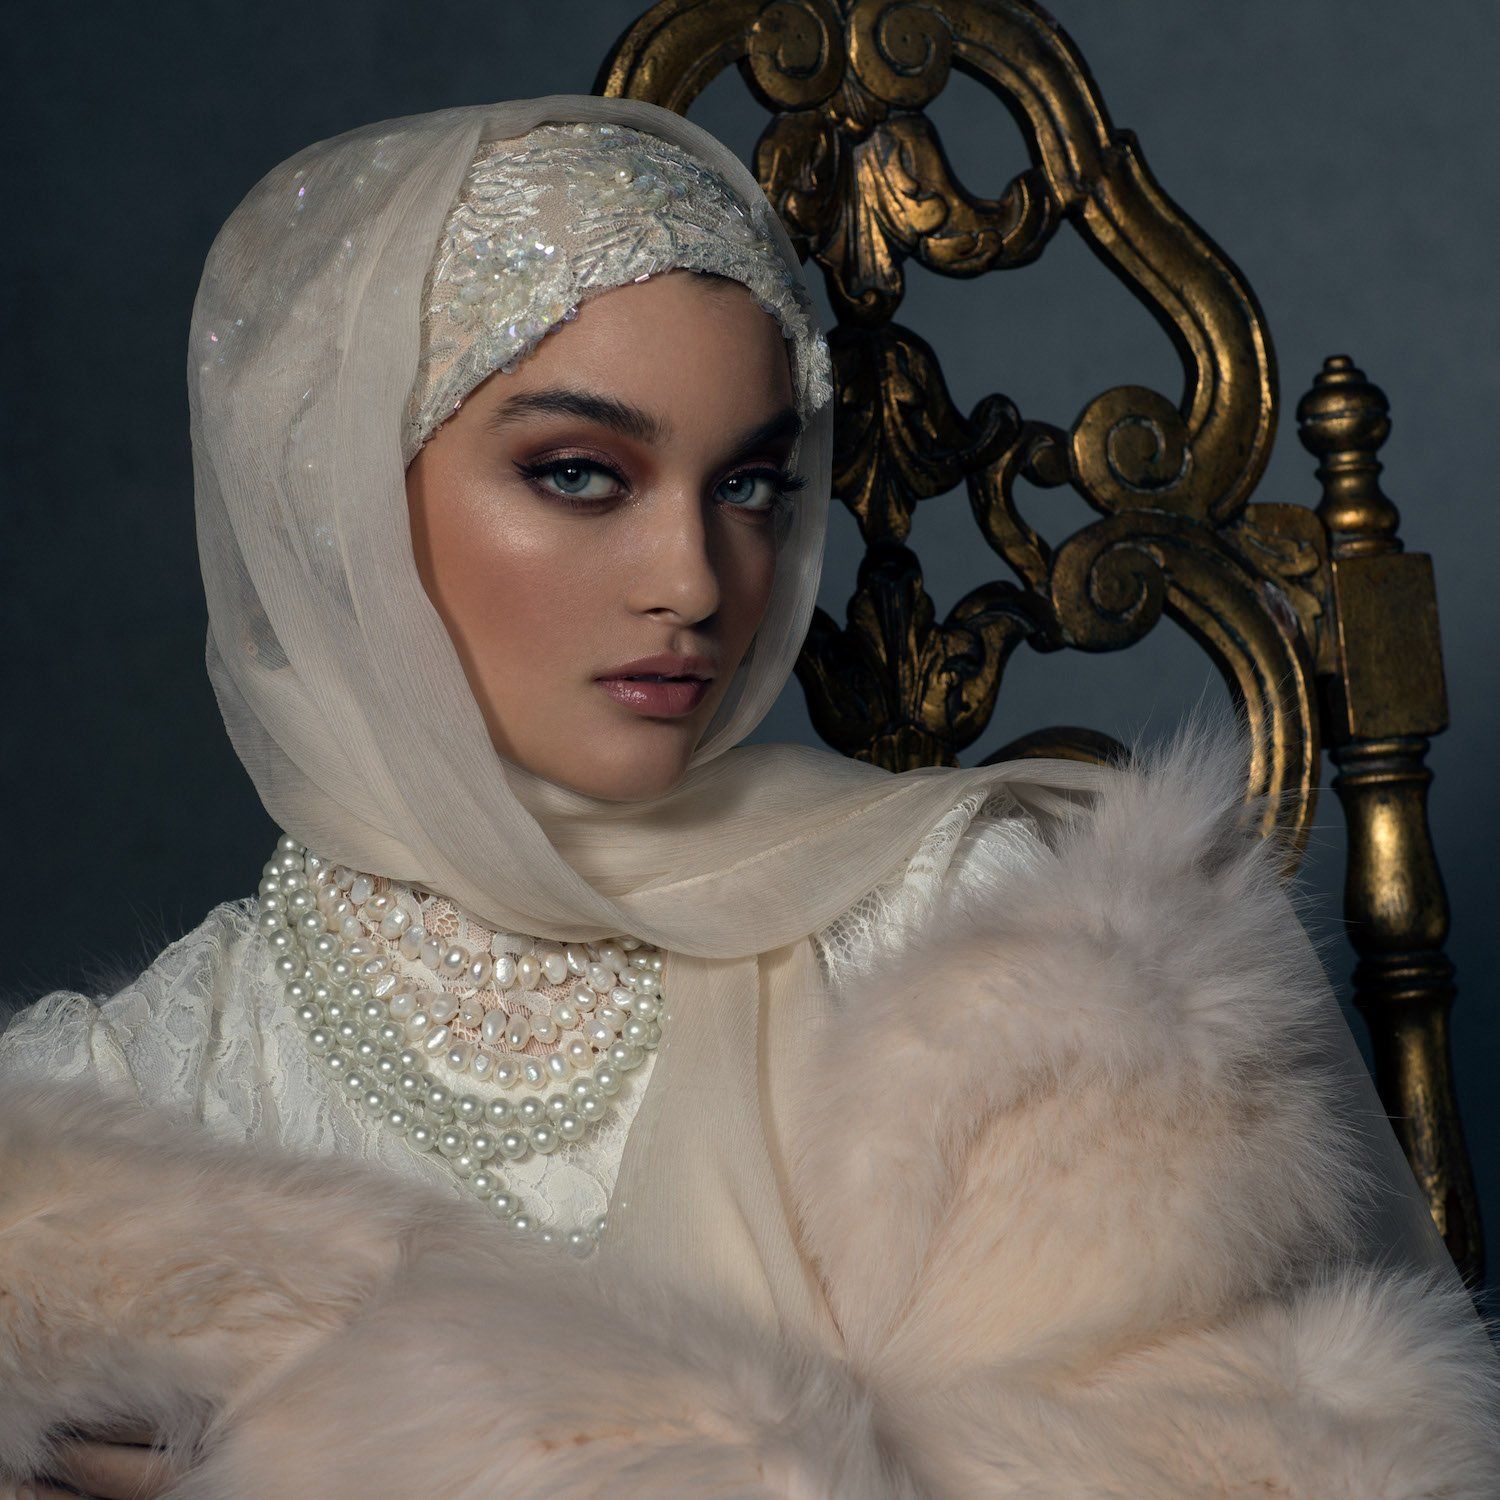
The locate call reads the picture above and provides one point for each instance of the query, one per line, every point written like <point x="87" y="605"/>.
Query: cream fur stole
<point x="1103" y="1257"/>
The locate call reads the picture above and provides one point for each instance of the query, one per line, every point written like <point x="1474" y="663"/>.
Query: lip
<point x="668" y="700"/>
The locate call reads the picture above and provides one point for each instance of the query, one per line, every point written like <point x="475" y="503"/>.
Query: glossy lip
<point x="660" y="700"/>
<point x="663" y="664"/>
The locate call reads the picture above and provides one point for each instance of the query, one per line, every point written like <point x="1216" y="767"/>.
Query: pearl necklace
<point x="336" y="936"/>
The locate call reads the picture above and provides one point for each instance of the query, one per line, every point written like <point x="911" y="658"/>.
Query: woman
<point x="770" y="1124"/>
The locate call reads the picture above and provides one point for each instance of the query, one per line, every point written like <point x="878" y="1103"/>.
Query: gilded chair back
<point x="1323" y="627"/>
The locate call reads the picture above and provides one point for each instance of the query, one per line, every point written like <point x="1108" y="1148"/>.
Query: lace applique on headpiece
<point x="564" y="211"/>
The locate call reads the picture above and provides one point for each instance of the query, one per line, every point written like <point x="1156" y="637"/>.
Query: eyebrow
<point x="630" y="421"/>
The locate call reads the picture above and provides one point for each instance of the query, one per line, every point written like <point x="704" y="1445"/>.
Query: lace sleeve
<point x="982" y="831"/>
<point x="181" y="1033"/>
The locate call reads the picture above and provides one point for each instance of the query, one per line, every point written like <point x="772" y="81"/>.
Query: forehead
<point x="680" y="341"/>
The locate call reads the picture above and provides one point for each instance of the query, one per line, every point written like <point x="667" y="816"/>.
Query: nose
<point x="673" y="569"/>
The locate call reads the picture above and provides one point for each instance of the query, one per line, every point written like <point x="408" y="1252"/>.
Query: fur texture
<point x="1100" y="1250"/>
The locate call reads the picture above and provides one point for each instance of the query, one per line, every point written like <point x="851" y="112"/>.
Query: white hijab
<point x="347" y="702"/>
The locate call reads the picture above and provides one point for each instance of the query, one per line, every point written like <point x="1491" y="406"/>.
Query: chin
<point x="652" y="771"/>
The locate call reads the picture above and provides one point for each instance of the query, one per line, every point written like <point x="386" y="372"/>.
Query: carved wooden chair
<point x="1318" y="620"/>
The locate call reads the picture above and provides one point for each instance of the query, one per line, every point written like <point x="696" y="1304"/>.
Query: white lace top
<point x="207" y="1029"/>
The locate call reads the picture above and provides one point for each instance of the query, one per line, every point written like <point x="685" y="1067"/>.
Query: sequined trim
<point x="570" y="210"/>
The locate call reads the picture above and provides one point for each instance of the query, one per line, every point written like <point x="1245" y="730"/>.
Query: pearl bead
<point x="373" y="1028"/>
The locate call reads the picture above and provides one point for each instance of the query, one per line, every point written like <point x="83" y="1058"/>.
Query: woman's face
<point x="611" y="500"/>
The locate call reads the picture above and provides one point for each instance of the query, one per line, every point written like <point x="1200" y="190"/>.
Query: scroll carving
<point x="1284" y="599"/>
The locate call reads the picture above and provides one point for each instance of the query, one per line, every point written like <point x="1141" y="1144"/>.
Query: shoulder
<point x="153" y="1028"/>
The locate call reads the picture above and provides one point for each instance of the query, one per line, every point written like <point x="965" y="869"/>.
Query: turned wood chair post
<point x="1380" y="704"/>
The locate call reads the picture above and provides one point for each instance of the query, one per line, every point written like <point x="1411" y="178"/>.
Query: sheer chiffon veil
<point x="347" y="702"/>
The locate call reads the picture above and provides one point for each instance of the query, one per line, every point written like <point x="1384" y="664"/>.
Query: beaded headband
<point x="547" y="219"/>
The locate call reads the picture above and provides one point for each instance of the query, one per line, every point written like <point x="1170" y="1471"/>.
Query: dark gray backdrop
<point x="1342" y="155"/>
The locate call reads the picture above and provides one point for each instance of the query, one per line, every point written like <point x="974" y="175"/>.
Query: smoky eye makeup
<point x="575" y="479"/>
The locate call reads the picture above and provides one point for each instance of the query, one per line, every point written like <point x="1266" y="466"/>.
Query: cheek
<point x="748" y="576"/>
<point x="508" y="589"/>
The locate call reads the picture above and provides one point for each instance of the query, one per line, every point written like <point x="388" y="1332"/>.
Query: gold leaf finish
<point x="1323" y="627"/>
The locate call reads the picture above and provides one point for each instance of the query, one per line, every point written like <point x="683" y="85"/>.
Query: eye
<point x="571" y="478"/>
<point x="760" y="489"/>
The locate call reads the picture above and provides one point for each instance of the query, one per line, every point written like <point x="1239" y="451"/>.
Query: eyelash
<point x="785" y="483"/>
